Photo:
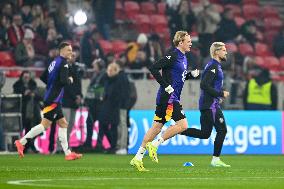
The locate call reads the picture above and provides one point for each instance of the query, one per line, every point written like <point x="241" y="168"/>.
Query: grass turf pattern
<point x="114" y="172"/>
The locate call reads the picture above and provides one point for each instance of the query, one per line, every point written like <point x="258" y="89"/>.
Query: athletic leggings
<point x="208" y="119"/>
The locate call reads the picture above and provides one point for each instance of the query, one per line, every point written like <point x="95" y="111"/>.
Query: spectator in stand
<point x="59" y="16"/>
<point x="136" y="54"/>
<point x="26" y="14"/>
<point x="154" y="49"/>
<point x="172" y="13"/>
<point x="40" y="43"/>
<point x="53" y="37"/>
<point x="122" y="128"/>
<point x="278" y="44"/>
<point x="186" y="17"/>
<point x="181" y="16"/>
<point x="52" y="53"/>
<point x="94" y="99"/>
<point x="248" y="33"/>
<point x="207" y="23"/>
<point x="228" y="29"/>
<point x="37" y="12"/>
<point x="90" y="48"/>
<point x="7" y="10"/>
<point x="16" y="31"/>
<point x="4" y="25"/>
<point x="109" y="115"/>
<point x="260" y="93"/>
<point x="27" y="86"/>
<point x="104" y="15"/>
<point x="25" y="52"/>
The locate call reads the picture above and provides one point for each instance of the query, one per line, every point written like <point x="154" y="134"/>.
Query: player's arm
<point x="192" y="74"/>
<point x="207" y="82"/>
<point x="64" y="74"/>
<point x="155" y="68"/>
<point x="44" y="75"/>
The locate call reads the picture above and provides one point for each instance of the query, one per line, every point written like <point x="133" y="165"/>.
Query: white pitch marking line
<point x="32" y="182"/>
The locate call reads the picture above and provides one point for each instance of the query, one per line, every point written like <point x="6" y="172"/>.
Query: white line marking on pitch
<point x="33" y="182"/>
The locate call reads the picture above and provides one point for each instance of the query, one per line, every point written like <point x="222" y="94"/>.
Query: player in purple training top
<point x="174" y="68"/>
<point x="55" y="78"/>
<point x="212" y="94"/>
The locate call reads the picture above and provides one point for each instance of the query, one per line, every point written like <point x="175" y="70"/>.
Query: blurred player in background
<point x="174" y="68"/>
<point x="55" y="77"/>
<point x="212" y="94"/>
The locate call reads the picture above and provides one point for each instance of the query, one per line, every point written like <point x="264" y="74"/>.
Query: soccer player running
<point x="211" y="96"/>
<point x="174" y="72"/>
<point x="56" y="77"/>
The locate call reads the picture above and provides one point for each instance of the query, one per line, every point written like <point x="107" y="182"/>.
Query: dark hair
<point x="63" y="44"/>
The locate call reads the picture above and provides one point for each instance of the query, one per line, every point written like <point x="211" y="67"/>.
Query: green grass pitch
<point x="114" y="172"/>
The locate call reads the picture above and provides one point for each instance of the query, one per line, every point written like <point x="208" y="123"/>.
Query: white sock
<point x="158" y="141"/>
<point x="140" y="153"/>
<point x="62" y="135"/>
<point x="215" y="158"/>
<point x="36" y="130"/>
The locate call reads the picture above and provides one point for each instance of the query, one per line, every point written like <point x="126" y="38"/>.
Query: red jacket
<point x="12" y="34"/>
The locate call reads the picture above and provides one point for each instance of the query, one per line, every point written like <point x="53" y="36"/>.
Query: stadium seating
<point x="270" y="12"/>
<point x="131" y="8"/>
<point x="142" y="23"/>
<point x="269" y="36"/>
<point x="246" y="49"/>
<point x="250" y="2"/>
<point x="119" y="46"/>
<point x="6" y="59"/>
<point x="272" y="63"/>
<point x="148" y="8"/>
<point x="119" y="12"/>
<point x="232" y="47"/>
<point x="281" y="63"/>
<point x="161" y="8"/>
<point x="251" y="12"/>
<point x="158" y="22"/>
<point x="106" y="46"/>
<point x="272" y="24"/>
<point x="259" y="61"/>
<point x="262" y="49"/>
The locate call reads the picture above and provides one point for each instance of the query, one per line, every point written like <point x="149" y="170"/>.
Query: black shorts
<point x="52" y="111"/>
<point x="166" y="112"/>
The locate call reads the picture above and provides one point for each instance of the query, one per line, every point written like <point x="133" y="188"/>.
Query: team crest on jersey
<point x="168" y="57"/>
<point x="213" y="70"/>
<point x="221" y="120"/>
<point x="66" y="65"/>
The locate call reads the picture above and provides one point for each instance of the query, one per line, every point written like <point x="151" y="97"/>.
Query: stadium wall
<point x="249" y="132"/>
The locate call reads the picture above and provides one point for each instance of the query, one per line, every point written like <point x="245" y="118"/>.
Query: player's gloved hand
<point x="169" y="89"/>
<point x="195" y="73"/>
<point x="70" y="79"/>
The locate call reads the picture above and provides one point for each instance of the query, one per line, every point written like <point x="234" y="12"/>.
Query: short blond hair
<point x="179" y="36"/>
<point x="215" y="47"/>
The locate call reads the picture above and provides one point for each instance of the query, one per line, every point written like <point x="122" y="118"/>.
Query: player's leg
<point x="156" y="128"/>
<point x="62" y="136"/>
<point x="206" y="121"/>
<point x="221" y="129"/>
<point x="45" y="123"/>
<point x="149" y="136"/>
<point x="178" y="116"/>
